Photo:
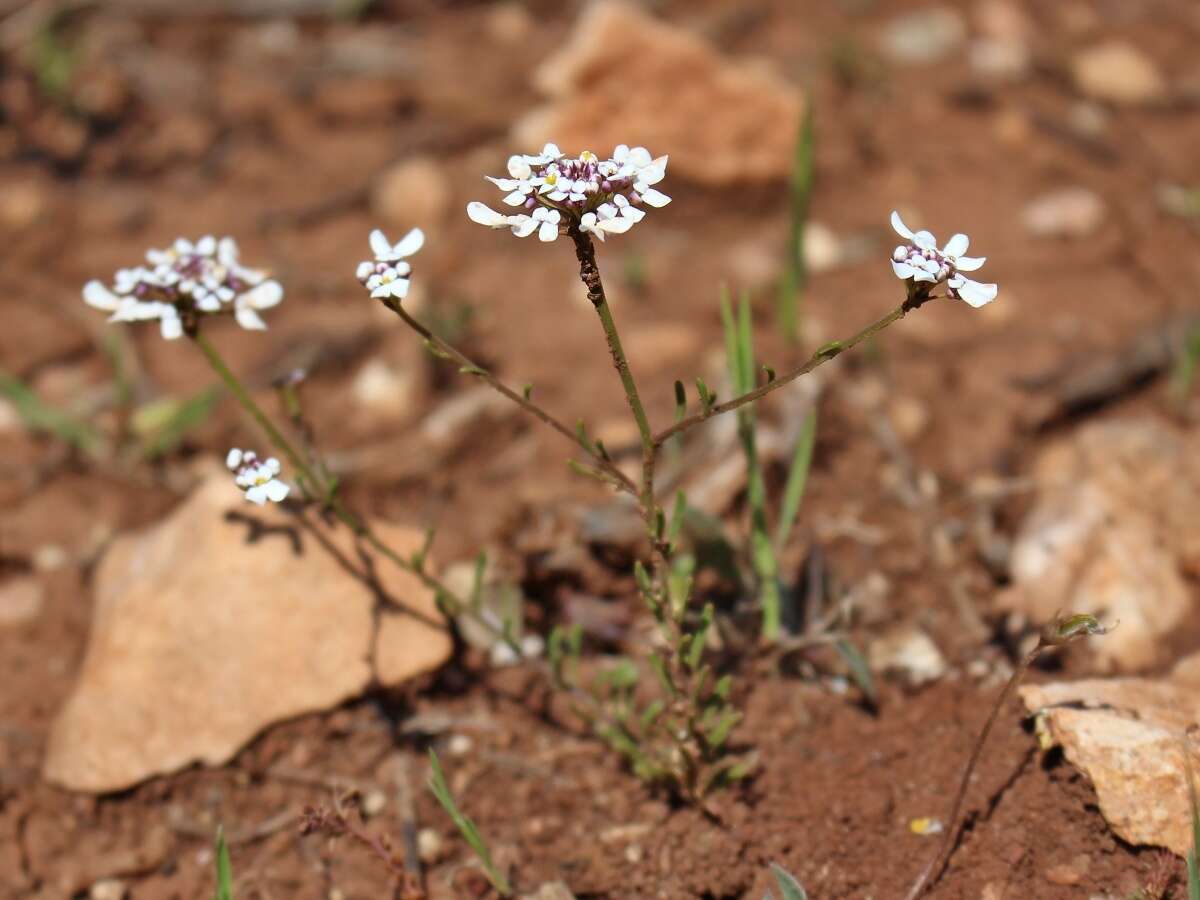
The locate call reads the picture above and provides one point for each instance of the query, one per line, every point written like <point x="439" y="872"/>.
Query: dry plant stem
<point x="820" y="357"/>
<point x="328" y="492"/>
<point x="933" y="869"/>
<point x="605" y="465"/>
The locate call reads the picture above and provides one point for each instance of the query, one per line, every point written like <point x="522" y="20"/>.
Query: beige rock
<point x="626" y="77"/>
<point x="21" y="601"/>
<point x="1120" y="73"/>
<point x="222" y="619"/>
<point x="411" y="193"/>
<point x="1112" y="532"/>
<point x="910" y="653"/>
<point x="1128" y="736"/>
<point x="1072" y="212"/>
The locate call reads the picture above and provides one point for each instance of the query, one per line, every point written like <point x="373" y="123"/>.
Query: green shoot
<point x="797" y="480"/>
<point x="739" y="348"/>
<point x="1187" y="363"/>
<point x="224" y="868"/>
<point x="795" y="277"/>
<point x="1193" y="857"/>
<point x="38" y="416"/>
<point x="437" y="784"/>
<point x="789" y="886"/>
<point x="162" y="425"/>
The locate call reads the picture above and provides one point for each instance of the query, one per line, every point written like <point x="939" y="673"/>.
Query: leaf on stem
<point x="789" y="887"/>
<point x="224" y="868"/>
<point x="797" y="480"/>
<point x="437" y="784"/>
<point x="860" y="672"/>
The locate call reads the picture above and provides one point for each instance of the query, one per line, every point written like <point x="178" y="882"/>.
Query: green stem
<point x="589" y="273"/>
<point x="820" y="357"/>
<point x="329" y="493"/>
<point x="621" y="480"/>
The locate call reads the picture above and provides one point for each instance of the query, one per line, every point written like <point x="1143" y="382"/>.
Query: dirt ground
<point x="273" y="129"/>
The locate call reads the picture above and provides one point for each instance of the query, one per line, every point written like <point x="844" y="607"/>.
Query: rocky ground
<point x="174" y="659"/>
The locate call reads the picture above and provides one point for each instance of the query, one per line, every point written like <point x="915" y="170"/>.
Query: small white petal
<point x="97" y="295"/>
<point x="257" y="494"/>
<point x="233" y="459"/>
<point x="957" y="245"/>
<point x="903" y="270"/>
<point x="273" y="465"/>
<point x="925" y="240"/>
<point x="364" y="270"/>
<point x="516" y="198"/>
<point x="264" y="296"/>
<point x="209" y="303"/>
<point x="227" y="252"/>
<point x="379" y="244"/>
<point x="548" y="231"/>
<point x="901" y="229"/>
<point x="207" y="245"/>
<point x="249" y="319"/>
<point x="974" y="293"/>
<point x="276" y="490"/>
<point x="655" y="198"/>
<point x="552" y="151"/>
<point x="481" y="214"/>
<point x="171" y="325"/>
<point x="620" y="153"/>
<point x="618" y="225"/>
<point x="969" y="263"/>
<point x="399" y="288"/>
<point x="640" y="157"/>
<point x="506" y="184"/>
<point x="523" y="226"/>
<point x="518" y="167"/>
<point x="409" y="244"/>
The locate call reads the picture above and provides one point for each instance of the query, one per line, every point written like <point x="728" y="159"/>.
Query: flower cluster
<point x="387" y="275"/>
<point x="921" y="261"/>
<point x="186" y="280"/>
<point x="259" y="479"/>
<point x="598" y="196"/>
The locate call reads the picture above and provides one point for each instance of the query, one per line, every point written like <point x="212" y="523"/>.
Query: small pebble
<point x="429" y="845"/>
<point x="373" y="803"/>
<point x="108" y="889"/>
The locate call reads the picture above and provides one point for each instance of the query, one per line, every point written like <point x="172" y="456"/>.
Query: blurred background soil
<point x="297" y="127"/>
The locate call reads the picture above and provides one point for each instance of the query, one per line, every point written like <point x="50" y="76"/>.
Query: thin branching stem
<point x="331" y="500"/>
<point x="1060" y="632"/>
<point x="820" y="357"/>
<point x="623" y="481"/>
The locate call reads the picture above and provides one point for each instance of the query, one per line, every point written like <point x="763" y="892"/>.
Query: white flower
<point x="387" y="275"/>
<point x="187" y="280"/>
<point x="922" y="261"/>
<point x="557" y="193"/>
<point x="246" y="306"/>
<point x="390" y="253"/>
<point x="257" y="478"/>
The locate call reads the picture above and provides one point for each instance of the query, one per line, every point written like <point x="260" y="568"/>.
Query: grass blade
<point x="789" y="887"/>
<point x="38" y="416"/>
<point x="795" y="277"/>
<point x="437" y="784"/>
<point x="797" y="480"/>
<point x="224" y="868"/>
<point x="1193" y="858"/>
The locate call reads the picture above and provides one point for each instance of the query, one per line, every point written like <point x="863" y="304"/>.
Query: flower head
<point x="185" y="281"/>
<point x="920" y="261"/>
<point x="258" y="479"/>
<point x="387" y="275"/>
<point x="553" y="192"/>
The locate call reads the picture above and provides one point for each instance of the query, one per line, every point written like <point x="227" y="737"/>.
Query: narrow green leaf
<point x="437" y="784"/>
<point x="677" y="516"/>
<point x="696" y="642"/>
<point x="859" y="670"/>
<point x="745" y="339"/>
<point x="38" y="416"/>
<point x="163" y="425"/>
<point x="475" y="598"/>
<point x="789" y="887"/>
<point x="1193" y="857"/>
<point x="527" y="391"/>
<point x="680" y="401"/>
<point x="472" y="370"/>
<point x="719" y="733"/>
<point x="224" y="868"/>
<point x="797" y="480"/>
<point x="650" y="715"/>
<point x="723" y="686"/>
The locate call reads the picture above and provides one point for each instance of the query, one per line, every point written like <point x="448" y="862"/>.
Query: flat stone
<point x="222" y="619"/>
<point x="1127" y="735"/>
<point x="1118" y="72"/>
<point x="910" y="653"/>
<point x="1112" y="532"/>
<point x="924" y="36"/>
<point x="625" y="77"/>
<point x="21" y="600"/>
<point x="1071" y="212"/>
